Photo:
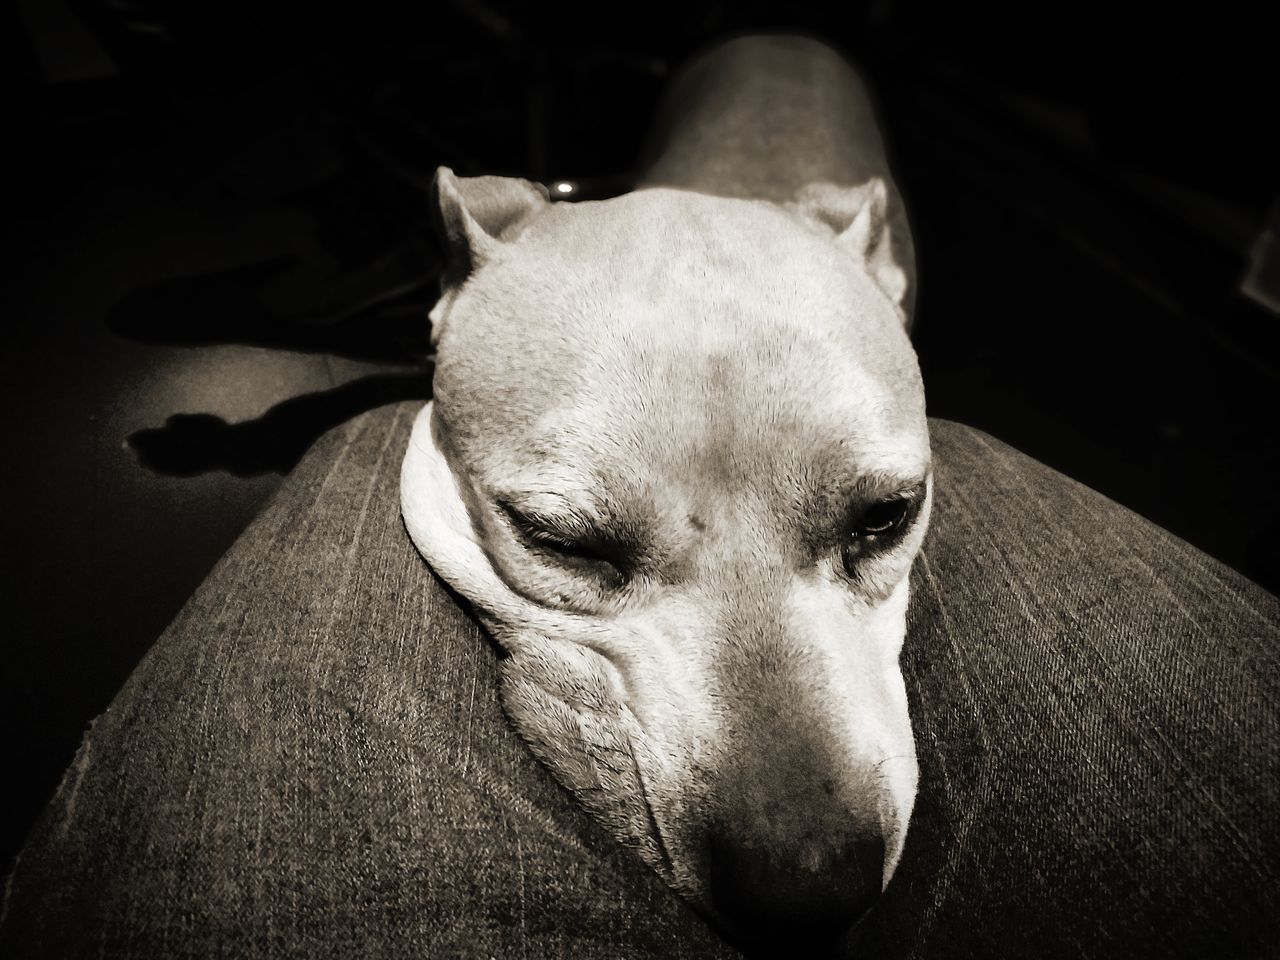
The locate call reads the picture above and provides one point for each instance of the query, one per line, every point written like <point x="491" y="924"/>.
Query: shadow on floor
<point x="377" y="313"/>
<point x="194" y="443"/>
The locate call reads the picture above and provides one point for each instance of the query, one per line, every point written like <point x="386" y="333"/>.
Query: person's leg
<point x="1097" y="710"/>
<point x="312" y="762"/>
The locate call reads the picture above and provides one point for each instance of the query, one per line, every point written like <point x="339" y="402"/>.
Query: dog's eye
<point x="584" y="552"/>
<point x="600" y="562"/>
<point x="882" y="517"/>
<point x="873" y="528"/>
<point x="564" y="547"/>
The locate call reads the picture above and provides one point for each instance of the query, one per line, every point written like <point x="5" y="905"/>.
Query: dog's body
<point x="767" y="118"/>
<point x="678" y="462"/>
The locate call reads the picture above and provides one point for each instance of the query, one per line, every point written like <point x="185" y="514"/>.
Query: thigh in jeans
<point x="1096" y="709"/>
<point x="312" y="760"/>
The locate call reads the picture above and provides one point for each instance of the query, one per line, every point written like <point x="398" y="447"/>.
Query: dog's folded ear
<point x="859" y="217"/>
<point x="478" y="214"/>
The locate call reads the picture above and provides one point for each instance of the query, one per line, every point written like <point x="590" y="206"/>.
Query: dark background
<point x="220" y="246"/>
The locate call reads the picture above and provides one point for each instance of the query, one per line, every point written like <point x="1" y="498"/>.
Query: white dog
<point x="678" y="461"/>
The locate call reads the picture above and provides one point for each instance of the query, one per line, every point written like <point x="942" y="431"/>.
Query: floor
<point x="209" y="276"/>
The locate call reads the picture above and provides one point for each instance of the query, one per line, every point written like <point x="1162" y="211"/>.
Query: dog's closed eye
<point x="570" y="541"/>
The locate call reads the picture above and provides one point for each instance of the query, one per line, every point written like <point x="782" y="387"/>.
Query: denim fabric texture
<point x="312" y="761"/>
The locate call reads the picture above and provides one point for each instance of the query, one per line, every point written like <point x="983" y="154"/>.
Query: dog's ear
<point x="858" y="215"/>
<point x="479" y="214"/>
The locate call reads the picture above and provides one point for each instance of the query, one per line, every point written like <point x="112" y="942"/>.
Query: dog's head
<point x="678" y="461"/>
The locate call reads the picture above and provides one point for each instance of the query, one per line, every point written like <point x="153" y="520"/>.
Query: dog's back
<point x="766" y="116"/>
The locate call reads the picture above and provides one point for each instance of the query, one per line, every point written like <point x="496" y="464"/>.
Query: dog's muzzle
<point x="795" y="850"/>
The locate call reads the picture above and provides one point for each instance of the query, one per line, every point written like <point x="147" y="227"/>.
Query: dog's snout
<point x="809" y="894"/>
<point x="796" y="850"/>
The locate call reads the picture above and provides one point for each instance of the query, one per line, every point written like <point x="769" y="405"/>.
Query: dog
<point x="678" y="462"/>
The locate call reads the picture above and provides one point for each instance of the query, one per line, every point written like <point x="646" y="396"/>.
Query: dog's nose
<point x="795" y="900"/>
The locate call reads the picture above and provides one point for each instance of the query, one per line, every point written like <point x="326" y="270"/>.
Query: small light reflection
<point x="564" y="188"/>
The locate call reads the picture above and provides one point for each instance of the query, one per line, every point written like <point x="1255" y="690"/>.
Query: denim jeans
<point x="312" y="761"/>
